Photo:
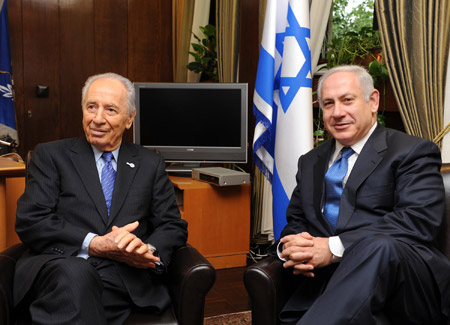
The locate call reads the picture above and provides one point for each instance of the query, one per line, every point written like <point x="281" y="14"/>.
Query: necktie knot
<point x="107" y="156"/>
<point x="346" y="152"/>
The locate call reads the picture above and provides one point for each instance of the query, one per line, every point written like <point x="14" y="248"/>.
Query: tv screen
<point x="193" y="122"/>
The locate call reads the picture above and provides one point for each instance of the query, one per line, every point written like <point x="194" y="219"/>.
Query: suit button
<point x="93" y="261"/>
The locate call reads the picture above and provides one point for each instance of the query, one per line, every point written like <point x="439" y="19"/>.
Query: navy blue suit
<point x="64" y="201"/>
<point x="391" y="210"/>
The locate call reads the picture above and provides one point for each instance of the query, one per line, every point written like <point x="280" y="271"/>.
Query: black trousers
<point x="380" y="280"/>
<point x="72" y="290"/>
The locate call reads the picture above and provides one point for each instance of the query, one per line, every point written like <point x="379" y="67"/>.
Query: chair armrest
<point x="8" y="259"/>
<point x="191" y="276"/>
<point x="269" y="285"/>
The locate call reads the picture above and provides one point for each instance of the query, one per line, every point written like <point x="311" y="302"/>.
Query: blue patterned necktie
<point x="108" y="179"/>
<point x="334" y="186"/>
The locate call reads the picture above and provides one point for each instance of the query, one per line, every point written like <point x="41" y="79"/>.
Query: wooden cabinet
<point x="219" y="219"/>
<point x="12" y="185"/>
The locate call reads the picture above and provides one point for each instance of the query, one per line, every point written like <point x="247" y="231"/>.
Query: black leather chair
<point x="269" y="285"/>
<point x="191" y="276"/>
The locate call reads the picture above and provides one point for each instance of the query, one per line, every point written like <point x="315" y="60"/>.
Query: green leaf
<point x="209" y="31"/>
<point x="195" y="67"/>
<point x="195" y="55"/>
<point x="319" y="133"/>
<point x="198" y="48"/>
<point x="197" y="38"/>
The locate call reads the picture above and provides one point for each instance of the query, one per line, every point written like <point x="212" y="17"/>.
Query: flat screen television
<point x="193" y="123"/>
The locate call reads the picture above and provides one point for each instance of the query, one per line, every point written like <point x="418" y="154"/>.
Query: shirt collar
<point x="98" y="153"/>
<point x="357" y="147"/>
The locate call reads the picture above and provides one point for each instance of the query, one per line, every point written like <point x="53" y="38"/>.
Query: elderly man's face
<point x="346" y="114"/>
<point x="105" y="115"/>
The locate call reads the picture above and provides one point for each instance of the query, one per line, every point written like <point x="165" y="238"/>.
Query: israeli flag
<point x="282" y="101"/>
<point x="8" y="127"/>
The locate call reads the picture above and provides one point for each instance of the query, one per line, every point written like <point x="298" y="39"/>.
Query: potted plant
<point x="205" y="54"/>
<point x="354" y="47"/>
<point x="354" y="41"/>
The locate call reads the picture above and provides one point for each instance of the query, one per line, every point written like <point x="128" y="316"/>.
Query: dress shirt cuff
<point x="159" y="266"/>
<point x="336" y="248"/>
<point x="280" y="250"/>
<point x="84" y="251"/>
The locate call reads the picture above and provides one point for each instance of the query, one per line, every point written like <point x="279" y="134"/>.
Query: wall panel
<point x="59" y="43"/>
<point x="77" y="60"/>
<point x="111" y="28"/>
<point x="40" y="67"/>
<point x="149" y="40"/>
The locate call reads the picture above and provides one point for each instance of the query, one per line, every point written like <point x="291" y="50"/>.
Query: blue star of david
<point x="301" y="79"/>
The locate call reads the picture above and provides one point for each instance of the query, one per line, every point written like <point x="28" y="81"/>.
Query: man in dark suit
<point x="374" y="259"/>
<point x="92" y="257"/>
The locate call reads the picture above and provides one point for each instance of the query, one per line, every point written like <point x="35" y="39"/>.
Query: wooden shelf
<point x="218" y="219"/>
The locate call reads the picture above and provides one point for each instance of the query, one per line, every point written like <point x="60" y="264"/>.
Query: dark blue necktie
<point x="108" y="179"/>
<point x="334" y="186"/>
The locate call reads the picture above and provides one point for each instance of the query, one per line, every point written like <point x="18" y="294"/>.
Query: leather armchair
<point x="191" y="276"/>
<point x="269" y="285"/>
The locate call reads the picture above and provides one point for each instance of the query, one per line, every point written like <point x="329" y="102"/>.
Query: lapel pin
<point x="130" y="164"/>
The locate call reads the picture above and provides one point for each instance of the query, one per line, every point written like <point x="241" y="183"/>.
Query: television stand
<point x="218" y="219"/>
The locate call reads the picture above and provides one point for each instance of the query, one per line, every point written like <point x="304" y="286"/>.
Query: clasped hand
<point x="123" y="246"/>
<point x="304" y="253"/>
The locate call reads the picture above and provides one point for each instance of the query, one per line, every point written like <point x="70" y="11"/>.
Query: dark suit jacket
<point x="64" y="201"/>
<point x="394" y="188"/>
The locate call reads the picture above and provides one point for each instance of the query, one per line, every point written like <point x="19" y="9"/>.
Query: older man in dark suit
<point x="99" y="218"/>
<point x="364" y="217"/>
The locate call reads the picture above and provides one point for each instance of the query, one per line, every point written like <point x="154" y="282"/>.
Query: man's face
<point x="105" y="116"/>
<point x="346" y="115"/>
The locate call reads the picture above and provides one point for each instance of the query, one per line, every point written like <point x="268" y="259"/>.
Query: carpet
<point x="244" y="317"/>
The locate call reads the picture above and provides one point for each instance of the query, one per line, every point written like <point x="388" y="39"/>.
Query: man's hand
<point x="123" y="246"/>
<point x="304" y="253"/>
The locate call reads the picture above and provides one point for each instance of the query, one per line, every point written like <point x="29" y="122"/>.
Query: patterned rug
<point x="244" y="317"/>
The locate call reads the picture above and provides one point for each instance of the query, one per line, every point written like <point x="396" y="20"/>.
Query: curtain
<point x="200" y="18"/>
<point x="227" y="33"/>
<point x="319" y="13"/>
<point x="446" y="139"/>
<point x="182" y="17"/>
<point x="415" y="37"/>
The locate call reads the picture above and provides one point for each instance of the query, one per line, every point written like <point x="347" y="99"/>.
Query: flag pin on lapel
<point x="130" y="164"/>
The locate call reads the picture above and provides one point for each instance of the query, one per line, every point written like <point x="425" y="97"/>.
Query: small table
<point x="8" y="169"/>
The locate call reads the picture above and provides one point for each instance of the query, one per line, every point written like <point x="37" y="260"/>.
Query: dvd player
<point x="220" y="176"/>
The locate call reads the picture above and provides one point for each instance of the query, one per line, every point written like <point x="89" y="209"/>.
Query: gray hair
<point x="365" y="80"/>
<point x="131" y="93"/>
